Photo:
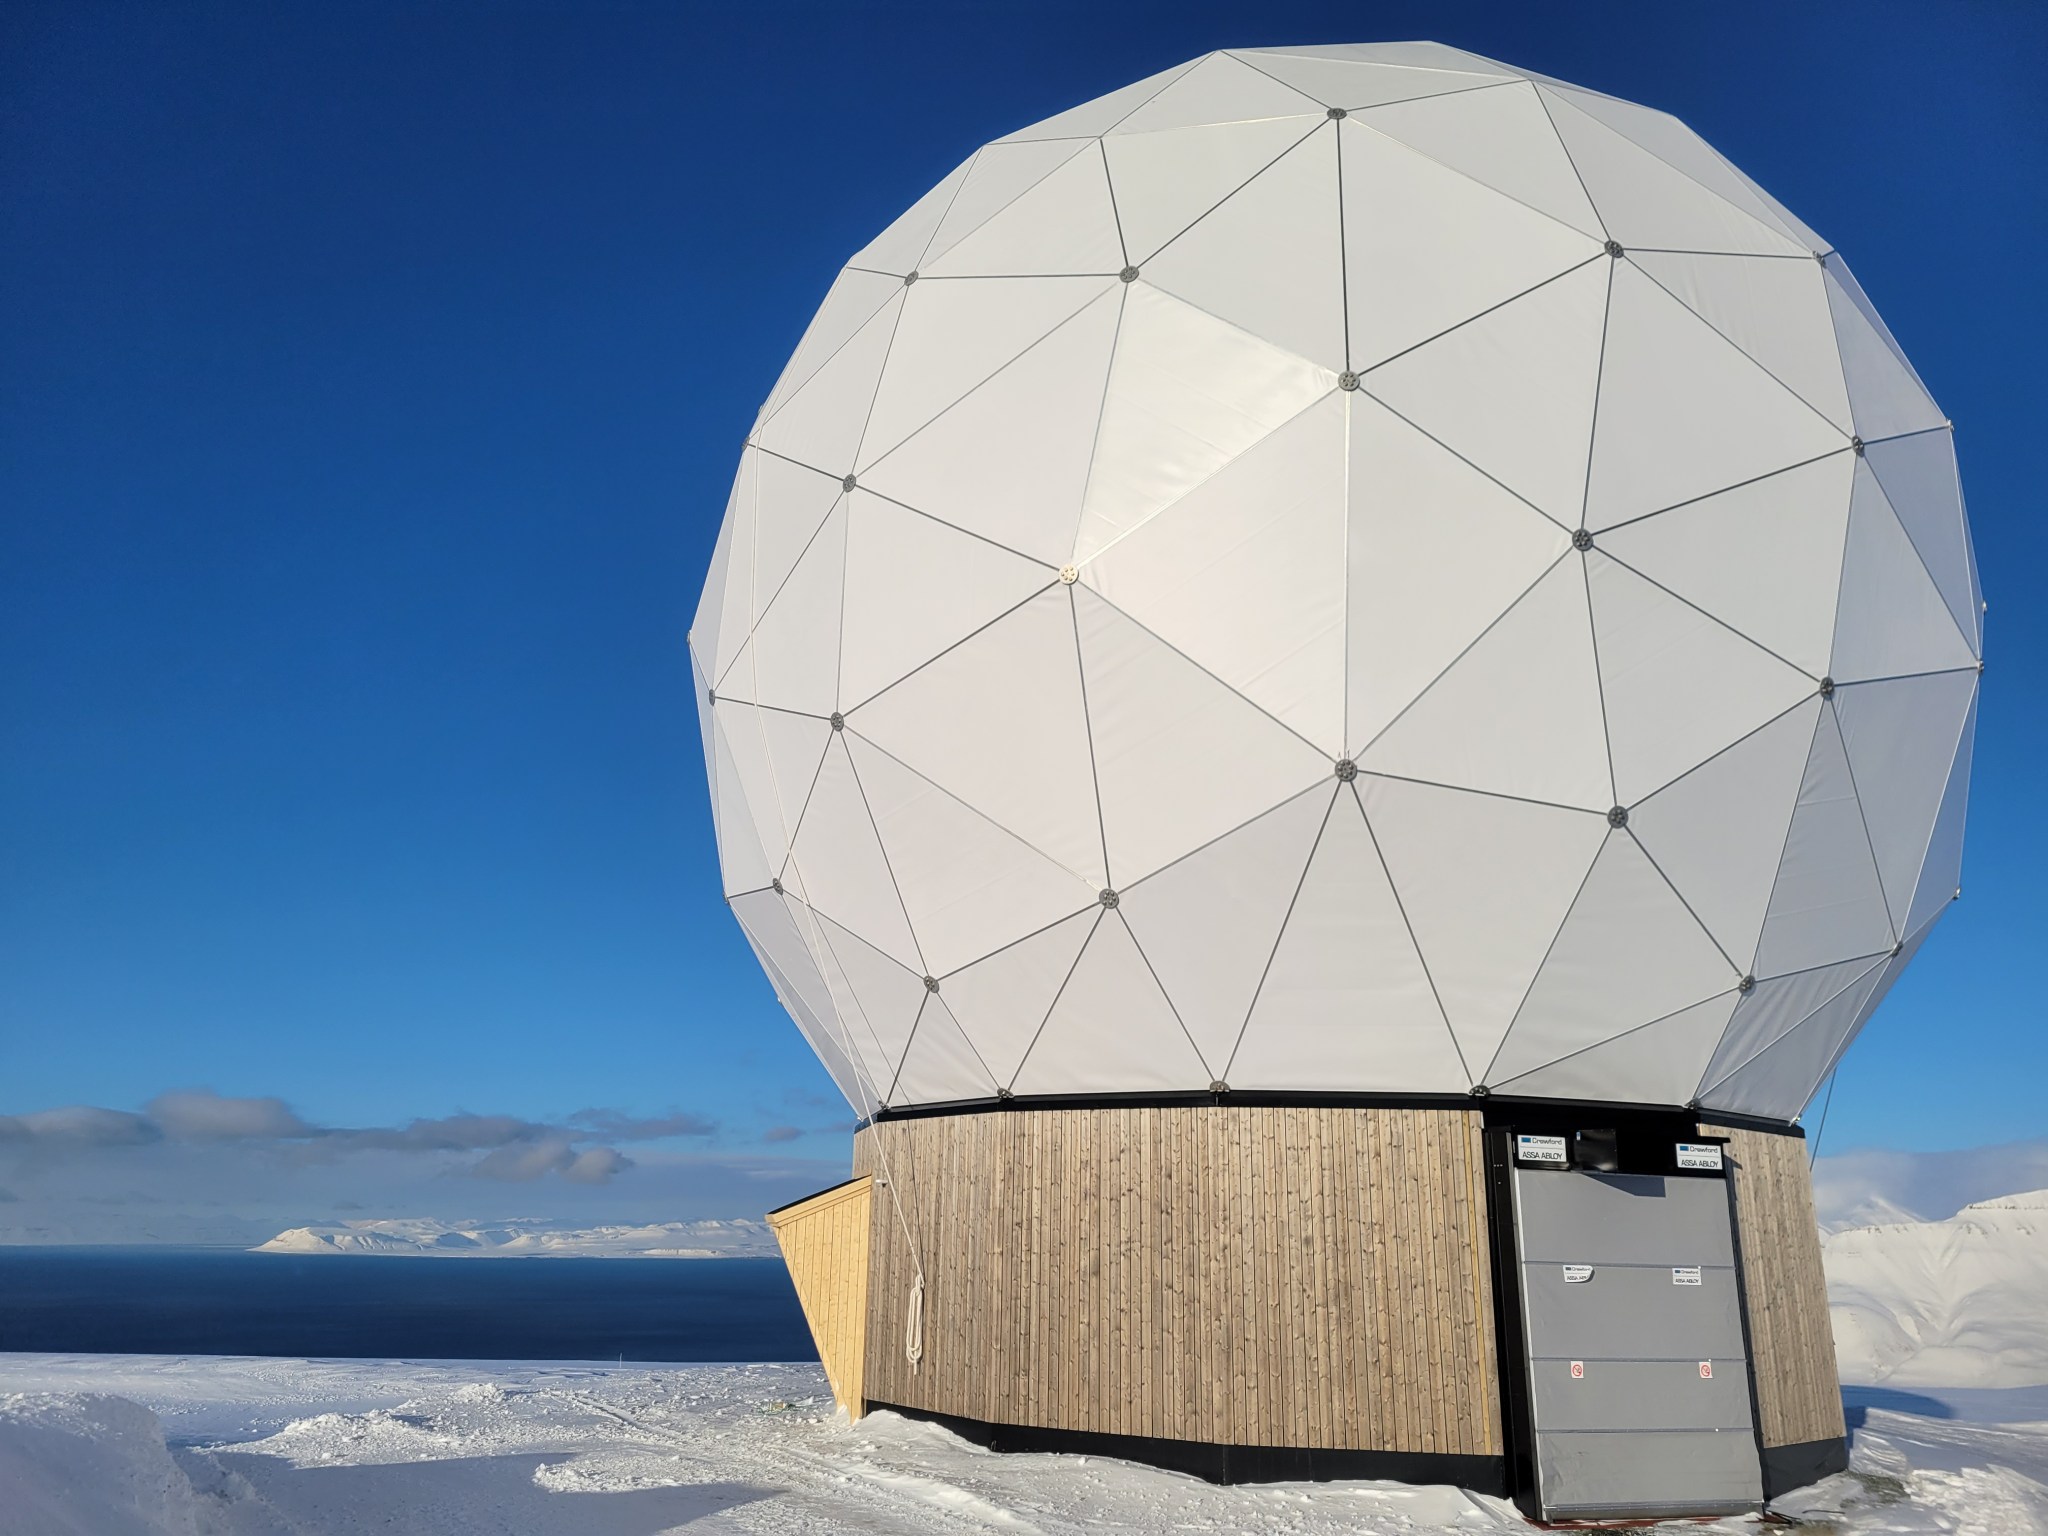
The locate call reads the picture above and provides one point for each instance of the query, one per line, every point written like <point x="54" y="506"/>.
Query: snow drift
<point x="414" y="1237"/>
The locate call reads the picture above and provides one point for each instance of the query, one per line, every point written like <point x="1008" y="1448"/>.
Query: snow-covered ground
<point x="1955" y="1303"/>
<point x="159" y="1446"/>
<point x="738" y="1238"/>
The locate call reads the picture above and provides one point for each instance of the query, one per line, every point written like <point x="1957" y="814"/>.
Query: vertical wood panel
<point x="825" y="1243"/>
<point x="1799" y="1397"/>
<point x="1243" y="1275"/>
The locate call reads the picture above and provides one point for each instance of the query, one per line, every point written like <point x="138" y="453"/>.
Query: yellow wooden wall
<point x="824" y="1242"/>
<point x="1231" y="1274"/>
<point x="1799" y="1397"/>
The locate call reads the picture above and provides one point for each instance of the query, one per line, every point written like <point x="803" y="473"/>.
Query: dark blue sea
<point x="214" y="1302"/>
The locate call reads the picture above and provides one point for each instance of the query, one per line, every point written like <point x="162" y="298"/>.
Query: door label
<point x="1688" y="1274"/>
<point x="1706" y="1370"/>
<point x="1540" y="1149"/>
<point x="1578" y="1369"/>
<point x="1577" y="1274"/>
<point x="1705" y="1156"/>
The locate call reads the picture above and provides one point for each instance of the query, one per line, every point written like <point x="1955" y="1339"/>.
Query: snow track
<point x="155" y="1446"/>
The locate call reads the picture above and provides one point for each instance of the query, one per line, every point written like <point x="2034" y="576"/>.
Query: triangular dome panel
<point x="1677" y="684"/>
<point x="821" y="423"/>
<point x="996" y="178"/>
<point x="845" y="873"/>
<point x="785" y="956"/>
<point x="940" y="1066"/>
<point x="1628" y="954"/>
<point x="1886" y="397"/>
<point x="1163" y="182"/>
<point x="1001" y="1002"/>
<point x="1346" y="1002"/>
<point x="1512" y="391"/>
<point x="1519" y="712"/>
<point x="999" y="723"/>
<point x="1049" y="398"/>
<point x="1218" y="89"/>
<point x="791" y="504"/>
<point x="1763" y="558"/>
<point x="743" y="863"/>
<point x="1111" y="1023"/>
<point x="1780" y="1081"/>
<point x="1918" y="476"/>
<point x="1269" y="259"/>
<point x="1426" y="248"/>
<point x="1891" y="620"/>
<point x="1104" y="112"/>
<point x="1773" y="1008"/>
<point x="1941" y="872"/>
<point x="1179" y="758"/>
<point x="1066" y="224"/>
<point x="1658" y="1063"/>
<point x="1683" y="411"/>
<point x="877" y="999"/>
<point x="792" y="662"/>
<point x="898" y="249"/>
<point x="1354" y="83"/>
<point x="854" y="299"/>
<point x="775" y="757"/>
<point x="1485" y="883"/>
<point x="1244" y="575"/>
<point x="915" y="587"/>
<point x="1208" y="923"/>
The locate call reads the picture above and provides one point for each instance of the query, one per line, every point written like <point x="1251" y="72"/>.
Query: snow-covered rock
<point x="417" y="1236"/>
<point x="1955" y="1303"/>
<point x="89" y="1464"/>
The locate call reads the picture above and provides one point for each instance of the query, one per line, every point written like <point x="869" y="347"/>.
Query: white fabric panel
<point x="1436" y="552"/>
<point x="1104" y="112"/>
<point x="954" y="335"/>
<point x="1513" y="390"/>
<point x="1219" y="89"/>
<point x="1629" y="953"/>
<point x="1657" y="1064"/>
<point x="1886" y="397"/>
<point x="1270" y="259"/>
<point x="1902" y="738"/>
<point x="775" y="757"/>
<point x="968" y="886"/>
<point x="1346" y="1003"/>
<point x="915" y="586"/>
<point x="1163" y="182"/>
<point x="1179" y="758"/>
<point x="1918" y="475"/>
<point x="1244" y="575"/>
<point x="1718" y="833"/>
<point x="1941" y="873"/>
<point x="1064" y="224"/>
<point x="998" y="176"/>
<point x="1827" y="904"/>
<point x="998" y="723"/>
<point x="793" y="659"/>
<point x="1208" y="923"/>
<point x="1780" y="1081"/>
<point x="820" y="425"/>
<point x="1683" y="412"/>
<point x="793" y="972"/>
<point x="1707" y="551"/>
<point x="1035" y="423"/>
<point x="1112" y="1028"/>
<point x="845" y="872"/>
<point x="1643" y="201"/>
<point x="1891" y="619"/>
<point x="854" y="299"/>
<point x="877" y="999"/>
<point x="899" y="248"/>
<point x="1772" y="1009"/>
<point x="1419" y="55"/>
<point x="1679" y="147"/>
<point x="941" y="1066"/>
<point x="1500" y="138"/>
<point x="1187" y="394"/>
<point x="702" y="636"/>
<point x="736" y="601"/>
<point x="1426" y="248"/>
<point x="1519" y="712"/>
<point x="1001" y="1002"/>
<point x="1775" y="310"/>
<point x="1355" y="83"/>
<point x="702" y="688"/>
<point x="1677" y="685"/>
<point x="1485" y="883"/>
<point x="742" y="861"/>
<point x="791" y="504"/>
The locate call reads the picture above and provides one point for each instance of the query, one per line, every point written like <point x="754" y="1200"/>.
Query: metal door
<point x="1638" y="1373"/>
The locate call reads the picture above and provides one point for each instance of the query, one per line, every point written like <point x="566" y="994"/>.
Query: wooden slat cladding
<point x="1799" y="1397"/>
<point x="1237" y="1275"/>
<point x="825" y="1243"/>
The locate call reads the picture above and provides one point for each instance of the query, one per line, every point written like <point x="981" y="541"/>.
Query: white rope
<point x="913" y="1325"/>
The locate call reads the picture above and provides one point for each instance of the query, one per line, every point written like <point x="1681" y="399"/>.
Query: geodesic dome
<point x="1342" y="569"/>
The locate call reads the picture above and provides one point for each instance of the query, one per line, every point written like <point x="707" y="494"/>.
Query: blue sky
<point x="373" y="375"/>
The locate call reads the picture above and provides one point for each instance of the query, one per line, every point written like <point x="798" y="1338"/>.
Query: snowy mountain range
<point x="1955" y="1303"/>
<point x="736" y="1239"/>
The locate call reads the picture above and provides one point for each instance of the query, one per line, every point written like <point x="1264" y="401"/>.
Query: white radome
<point x="1349" y="569"/>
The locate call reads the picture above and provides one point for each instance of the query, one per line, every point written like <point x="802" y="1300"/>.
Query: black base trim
<point x="1229" y="1463"/>
<point x="1794" y="1466"/>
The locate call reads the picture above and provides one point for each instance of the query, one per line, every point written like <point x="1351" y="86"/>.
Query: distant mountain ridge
<point x="419" y="1236"/>
<point x="1955" y="1303"/>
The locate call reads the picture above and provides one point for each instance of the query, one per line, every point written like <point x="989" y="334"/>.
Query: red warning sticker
<point x="1578" y="1369"/>
<point x="1706" y="1370"/>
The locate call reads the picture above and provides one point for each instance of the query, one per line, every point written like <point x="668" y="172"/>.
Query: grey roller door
<point x="1638" y="1375"/>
